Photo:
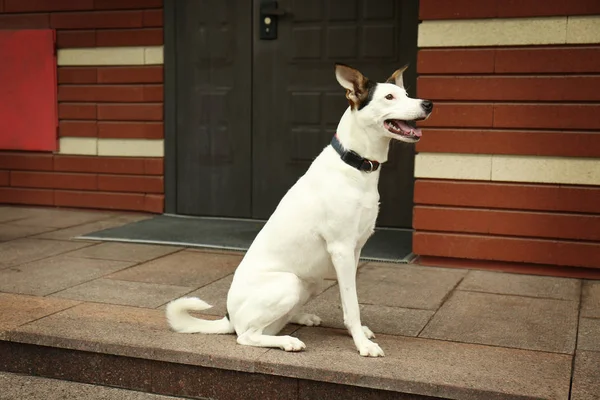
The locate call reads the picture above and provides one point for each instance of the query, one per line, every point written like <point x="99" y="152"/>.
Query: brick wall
<point x="110" y="94"/>
<point x="508" y="169"/>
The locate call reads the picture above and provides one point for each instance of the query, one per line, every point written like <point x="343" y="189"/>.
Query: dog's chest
<point x="368" y="210"/>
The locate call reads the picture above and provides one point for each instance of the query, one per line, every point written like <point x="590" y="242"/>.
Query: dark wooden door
<point x="214" y="96"/>
<point x="298" y="102"/>
<point x="253" y="114"/>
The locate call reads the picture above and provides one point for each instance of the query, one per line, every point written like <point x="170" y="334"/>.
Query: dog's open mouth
<point x="405" y="129"/>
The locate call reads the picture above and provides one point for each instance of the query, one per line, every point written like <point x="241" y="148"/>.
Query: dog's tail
<point x="182" y="322"/>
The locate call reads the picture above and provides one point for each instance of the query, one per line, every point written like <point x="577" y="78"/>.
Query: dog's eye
<point x="389" y="97"/>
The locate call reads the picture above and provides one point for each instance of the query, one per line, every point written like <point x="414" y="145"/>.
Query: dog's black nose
<point x="427" y="105"/>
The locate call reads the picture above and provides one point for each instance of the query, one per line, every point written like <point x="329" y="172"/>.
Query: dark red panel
<point x="28" y="111"/>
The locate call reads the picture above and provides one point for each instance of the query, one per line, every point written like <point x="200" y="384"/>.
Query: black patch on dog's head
<point x="367" y="95"/>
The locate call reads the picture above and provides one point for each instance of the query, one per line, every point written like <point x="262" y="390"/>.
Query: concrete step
<point x="21" y="387"/>
<point x="132" y="348"/>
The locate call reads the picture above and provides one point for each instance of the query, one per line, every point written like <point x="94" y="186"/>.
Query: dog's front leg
<point x="345" y="267"/>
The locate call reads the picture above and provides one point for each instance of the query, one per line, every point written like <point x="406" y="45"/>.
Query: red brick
<point x="457" y="9"/>
<point x="507" y="88"/>
<point x="131" y="112"/>
<point x="100" y="200"/>
<point x="106" y="165"/>
<point x="455" y="61"/>
<point x="540" y="251"/>
<point x="1" y="5"/>
<point x="101" y="93"/>
<point x="154" y="166"/>
<point x="460" y="115"/>
<point x="154" y="93"/>
<point x="129" y="183"/>
<point x="77" y="128"/>
<point x="24" y="21"/>
<point x="130" y="37"/>
<point x="126" y="4"/>
<point x="514" y="142"/>
<point x="517" y="196"/>
<point x="153" y="74"/>
<point x="77" y="75"/>
<point x="549" y="116"/>
<point x="47" y="5"/>
<point x="75" y="163"/>
<point x="154" y="203"/>
<point x="130" y="130"/>
<point x="66" y="39"/>
<point x="97" y="20"/>
<point x="38" y="197"/>
<point x="121" y="165"/>
<point x="564" y="59"/>
<point x="53" y="180"/>
<point x="76" y="111"/>
<point x="507" y="223"/>
<point x="468" y="9"/>
<point x="531" y="8"/>
<point x="26" y="161"/>
<point x="4" y="178"/>
<point x="153" y="18"/>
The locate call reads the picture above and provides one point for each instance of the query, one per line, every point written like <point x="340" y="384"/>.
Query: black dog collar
<point x="353" y="159"/>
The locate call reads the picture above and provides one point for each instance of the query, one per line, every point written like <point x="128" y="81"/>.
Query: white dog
<point x="319" y="227"/>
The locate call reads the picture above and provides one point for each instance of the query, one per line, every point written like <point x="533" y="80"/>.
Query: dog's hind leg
<point x="269" y="310"/>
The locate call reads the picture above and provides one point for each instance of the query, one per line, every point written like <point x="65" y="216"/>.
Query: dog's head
<point x="384" y="108"/>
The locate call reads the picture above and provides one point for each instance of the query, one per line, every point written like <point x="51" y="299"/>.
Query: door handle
<point x="269" y="15"/>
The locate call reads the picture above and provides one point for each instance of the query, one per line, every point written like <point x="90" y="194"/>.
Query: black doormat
<point x="391" y="245"/>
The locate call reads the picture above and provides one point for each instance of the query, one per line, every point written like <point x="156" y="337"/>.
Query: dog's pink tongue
<point x="409" y="129"/>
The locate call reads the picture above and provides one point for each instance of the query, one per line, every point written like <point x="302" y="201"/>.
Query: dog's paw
<point x="370" y="349"/>
<point x="292" y="344"/>
<point x="307" y="319"/>
<point x="368" y="333"/>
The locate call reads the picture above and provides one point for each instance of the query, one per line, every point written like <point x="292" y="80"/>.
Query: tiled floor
<point x="446" y="332"/>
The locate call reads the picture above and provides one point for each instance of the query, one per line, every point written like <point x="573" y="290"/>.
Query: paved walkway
<point x="446" y="332"/>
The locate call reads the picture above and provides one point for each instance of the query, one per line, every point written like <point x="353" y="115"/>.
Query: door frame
<point x="170" y="105"/>
<point x="408" y="28"/>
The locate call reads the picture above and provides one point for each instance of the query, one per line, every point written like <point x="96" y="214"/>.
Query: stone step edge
<point x="177" y="379"/>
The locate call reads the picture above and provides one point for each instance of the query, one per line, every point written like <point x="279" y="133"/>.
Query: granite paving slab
<point x="136" y="332"/>
<point x="506" y="320"/>
<point x="522" y="285"/>
<point x="125" y="251"/>
<point x="21" y="251"/>
<point x="12" y="213"/>
<point x="406" y="286"/>
<point x="16" y="310"/>
<point x="53" y="274"/>
<point x="75" y="231"/>
<point x="427" y="367"/>
<point x="586" y="376"/>
<point x="15" y="386"/>
<point x="11" y="232"/>
<point x="380" y="319"/>
<point x="60" y="218"/>
<point x="112" y="291"/>
<point x="589" y="334"/>
<point x="185" y="268"/>
<point x="590" y="301"/>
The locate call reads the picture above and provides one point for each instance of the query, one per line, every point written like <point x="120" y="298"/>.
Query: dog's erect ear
<point x="396" y="77"/>
<point x="353" y="81"/>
